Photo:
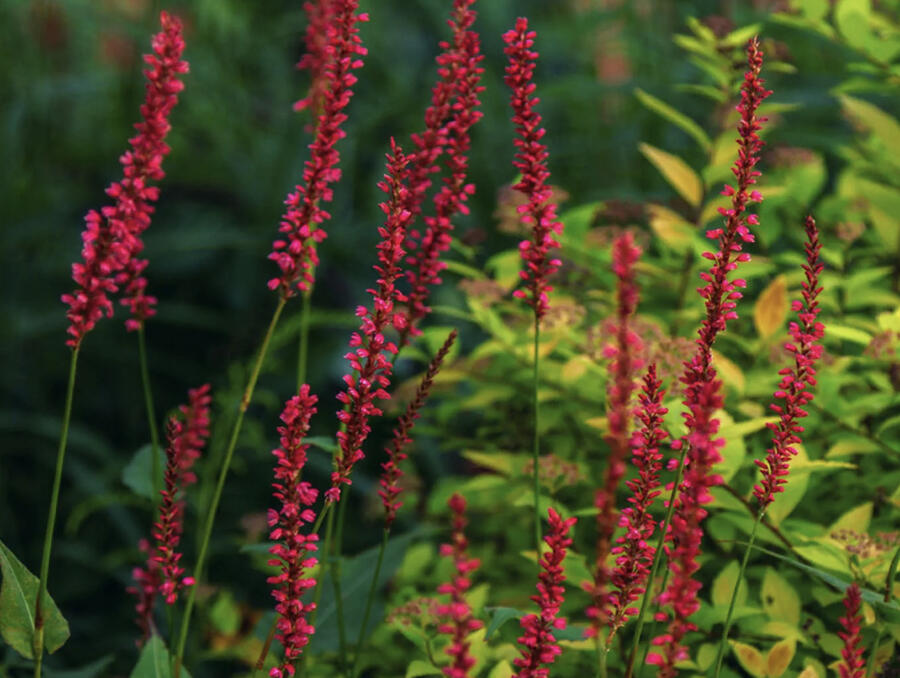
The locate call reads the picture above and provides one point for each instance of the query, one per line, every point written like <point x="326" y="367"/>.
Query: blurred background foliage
<point x="616" y="79"/>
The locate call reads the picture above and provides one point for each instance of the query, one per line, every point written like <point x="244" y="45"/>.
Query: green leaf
<point x="677" y="172"/>
<point x="780" y="600"/>
<point x="815" y="10"/>
<point x="325" y="443"/>
<point x="18" y="595"/>
<point x="502" y="670"/>
<point x="154" y="661"/>
<point x="879" y="123"/>
<point x="138" y="473"/>
<point x="671" y="227"/>
<point x="724" y="583"/>
<point x="853" y="334"/>
<point x="499" y="616"/>
<point x="674" y="116"/>
<point x="740" y="36"/>
<point x="856" y="519"/>
<point x="225" y="614"/>
<point x="420" y="667"/>
<point x="785" y="502"/>
<point x="852" y="20"/>
<point x="95" y="669"/>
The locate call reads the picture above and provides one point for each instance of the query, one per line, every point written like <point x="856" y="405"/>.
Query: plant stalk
<point x="151" y="414"/>
<point x="536" y="451"/>
<point x="369" y="600"/>
<point x="220" y="484"/>
<point x="303" y="350"/>
<point x="336" y="580"/>
<point x="37" y="641"/>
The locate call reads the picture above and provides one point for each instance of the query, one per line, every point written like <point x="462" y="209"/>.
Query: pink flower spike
<point x="531" y="162"/>
<point x="455" y="619"/>
<point x="391" y="472"/>
<point x="852" y="663"/>
<point x="455" y="96"/>
<point x="318" y="56"/>
<point x="292" y="551"/>
<point x="301" y="225"/>
<point x="112" y="237"/>
<point x="370" y="363"/>
<point x="622" y="369"/>
<point x="797" y="382"/>
<point x="539" y="648"/>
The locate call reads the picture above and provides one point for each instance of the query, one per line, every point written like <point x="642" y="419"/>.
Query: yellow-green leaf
<point x="750" y="658"/>
<point x="502" y="670"/>
<point x="724" y="583"/>
<point x="856" y="519"/>
<point x="670" y="227"/>
<point x="729" y="371"/>
<point x="779" y="599"/>
<point x="771" y="308"/>
<point x="675" y="117"/>
<point x="785" y="502"/>
<point x="420" y="667"/>
<point x="779" y="657"/>
<point x="808" y="672"/>
<point x="677" y="172"/>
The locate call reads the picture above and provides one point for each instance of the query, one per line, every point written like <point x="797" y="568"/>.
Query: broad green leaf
<point x="856" y="519"/>
<point x="420" y="667"/>
<point x="138" y="473"/>
<point x="502" y="670"/>
<point x="499" y="616"/>
<point x="225" y="614"/>
<point x="677" y="172"/>
<point x="771" y="308"/>
<point x="502" y="462"/>
<point x="815" y="10"/>
<point x="18" y="595"/>
<point x="852" y="20"/>
<point x="504" y="266"/>
<point x="780" y="600"/>
<point x="740" y="36"/>
<point x="675" y="117"/>
<point x="155" y="661"/>
<point x="723" y="586"/>
<point x="851" y="445"/>
<point x="879" y="123"/>
<point x="853" y="334"/>
<point x="671" y="227"/>
<point x="750" y="659"/>
<point x="779" y="657"/>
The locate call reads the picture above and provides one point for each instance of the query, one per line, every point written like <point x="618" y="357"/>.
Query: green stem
<point x="220" y="484"/>
<point x="302" y="357"/>
<point x="602" y="655"/>
<point x="369" y="600"/>
<point x="662" y="587"/>
<point x="734" y="594"/>
<point x="657" y="559"/>
<point x="38" y="638"/>
<point x="151" y="414"/>
<point x="870" y="669"/>
<point x="536" y="452"/>
<point x="336" y="580"/>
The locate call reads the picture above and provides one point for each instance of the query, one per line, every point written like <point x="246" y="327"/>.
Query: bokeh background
<point x="70" y="87"/>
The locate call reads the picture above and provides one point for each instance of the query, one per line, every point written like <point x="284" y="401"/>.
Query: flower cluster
<point x="455" y="619"/>
<point x="460" y="74"/>
<point x="292" y="550"/>
<point x="852" y="663"/>
<point x="634" y="553"/>
<point x="391" y="472"/>
<point x="622" y="368"/>
<point x="295" y="253"/>
<point x="797" y="380"/>
<point x="531" y="161"/>
<point x="539" y="647"/>
<point x="318" y="55"/>
<point x="370" y="355"/>
<point x="112" y="237"/>
<point x="162" y="574"/>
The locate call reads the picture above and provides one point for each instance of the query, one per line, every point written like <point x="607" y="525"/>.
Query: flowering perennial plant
<point x="370" y="357"/>
<point x="622" y="369"/>
<point x="455" y="619"/>
<point x="634" y="553"/>
<point x="292" y="550"/>
<point x="112" y="236"/>
<point x="539" y="647"/>
<point x="391" y="471"/>
<point x="319" y="53"/>
<point x="295" y="252"/>
<point x="852" y="663"/>
<point x="460" y="74"/>
<point x="531" y="160"/>
<point x="797" y="380"/>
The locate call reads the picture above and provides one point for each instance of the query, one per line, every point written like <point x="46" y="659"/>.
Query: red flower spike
<point x="456" y="95"/>
<point x="852" y="663"/>
<point x="319" y="16"/>
<point x="531" y="161"/>
<point x="797" y="382"/>
<point x="634" y="553"/>
<point x="539" y="648"/>
<point x="455" y="619"/>
<point x="301" y="224"/>
<point x="391" y="472"/>
<point x="112" y="237"/>
<point x="293" y="551"/>
<point x="163" y="575"/>
<point x="622" y="368"/>
<point x="370" y="361"/>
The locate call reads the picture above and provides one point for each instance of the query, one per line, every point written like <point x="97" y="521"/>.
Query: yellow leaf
<point x="724" y="583"/>
<point x="599" y="423"/>
<point x="575" y="368"/>
<point x="677" y="172"/>
<point x="779" y="657"/>
<point x="501" y="670"/>
<point x="771" y="308"/>
<point x="779" y="599"/>
<point x="856" y="519"/>
<point x="731" y="374"/>
<point x="808" y="672"/>
<point x="670" y="227"/>
<point x="750" y="658"/>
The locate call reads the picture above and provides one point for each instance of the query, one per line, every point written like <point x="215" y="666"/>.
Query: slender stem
<point x="38" y="638"/>
<point x="336" y="580"/>
<point x="151" y="414"/>
<point x="657" y="558"/>
<point x="220" y="483"/>
<point x="734" y="594"/>
<point x="369" y="600"/>
<point x="261" y="662"/>
<point x="317" y="594"/>
<point x="536" y="452"/>
<point x="602" y="655"/>
<point x="302" y="357"/>
<point x="765" y="521"/>
<point x="870" y="669"/>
